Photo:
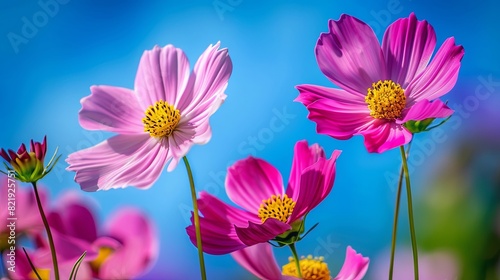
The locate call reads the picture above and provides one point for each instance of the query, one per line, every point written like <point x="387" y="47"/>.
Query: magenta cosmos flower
<point x="157" y="122"/>
<point x="381" y="87"/>
<point x="259" y="260"/>
<point x="268" y="211"/>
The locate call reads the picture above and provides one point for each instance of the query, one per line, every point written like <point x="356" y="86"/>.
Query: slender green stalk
<point x="296" y="258"/>
<point x="49" y="233"/>
<point x="410" y="214"/>
<point x="196" y="220"/>
<point x="396" y="217"/>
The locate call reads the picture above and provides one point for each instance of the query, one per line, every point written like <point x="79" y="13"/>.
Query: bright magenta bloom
<point x="28" y="166"/>
<point x="259" y="260"/>
<point x="157" y="122"/>
<point x="382" y="86"/>
<point x="269" y="211"/>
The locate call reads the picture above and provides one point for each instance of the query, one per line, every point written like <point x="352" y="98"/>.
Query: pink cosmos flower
<point x="124" y="249"/>
<point x="268" y="211"/>
<point x="259" y="260"/>
<point x="157" y="122"/>
<point x="381" y="86"/>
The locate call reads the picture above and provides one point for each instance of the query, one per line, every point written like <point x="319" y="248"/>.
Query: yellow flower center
<point x="386" y="100"/>
<point x="277" y="208"/>
<point x="103" y="254"/>
<point x="43" y="272"/>
<point x="311" y="268"/>
<point x="161" y="119"/>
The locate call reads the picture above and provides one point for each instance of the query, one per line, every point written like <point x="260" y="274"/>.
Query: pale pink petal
<point x="350" y="55"/>
<point x="426" y="109"/>
<point x="250" y="181"/>
<point x="316" y="182"/>
<point x="257" y="233"/>
<point x="259" y="260"/>
<point x="383" y="136"/>
<point x="112" y="109"/>
<point x="339" y="120"/>
<point x="303" y="157"/>
<point x="139" y="248"/>
<point x="355" y="266"/>
<point x="211" y="74"/>
<point x="163" y="74"/>
<point x="408" y="45"/>
<point x="217" y="225"/>
<point x="308" y="94"/>
<point x="440" y="75"/>
<point x="121" y="161"/>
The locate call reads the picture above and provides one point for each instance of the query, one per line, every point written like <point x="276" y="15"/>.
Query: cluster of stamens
<point x="277" y="208"/>
<point x="386" y="100"/>
<point x="310" y="268"/>
<point x="161" y="119"/>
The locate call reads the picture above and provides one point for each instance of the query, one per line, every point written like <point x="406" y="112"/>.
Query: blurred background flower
<point x="53" y="51"/>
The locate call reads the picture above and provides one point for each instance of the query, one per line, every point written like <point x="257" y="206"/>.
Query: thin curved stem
<point x="410" y="214"/>
<point x="196" y="220"/>
<point x="49" y="233"/>
<point x="396" y="217"/>
<point x="296" y="258"/>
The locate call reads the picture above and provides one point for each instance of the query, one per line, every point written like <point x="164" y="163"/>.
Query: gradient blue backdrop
<point x="271" y="45"/>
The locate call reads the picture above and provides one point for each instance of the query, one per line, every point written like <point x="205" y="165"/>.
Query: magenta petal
<point x="316" y="182"/>
<point x="163" y="74"/>
<point x="75" y="218"/>
<point x="259" y="260"/>
<point x="112" y="109"/>
<point x="121" y="161"/>
<point x="139" y="247"/>
<point x="211" y="74"/>
<point x="383" y="136"/>
<point x="355" y="266"/>
<point x="408" y="45"/>
<point x="218" y="236"/>
<point x="427" y="109"/>
<point x="350" y="55"/>
<point x="258" y="233"/>
<point x="250" y="181"/>
<point x="217" y="225"/>
<point x="303" y="157"/>
<point x="440" y="75"/>
<point x="311" y="93"/>
<point x="339" y="120"/>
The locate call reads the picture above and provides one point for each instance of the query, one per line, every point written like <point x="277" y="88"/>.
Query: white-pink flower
<point x="167" y="112"/>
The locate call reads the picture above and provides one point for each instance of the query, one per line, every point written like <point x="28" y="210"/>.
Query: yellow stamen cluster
<point x="311" y="268"/>
<point x="386" y="100"/>
<point x="277" y="208"/>
<point x="161" y="119"/>
<point x="103" y="254"/>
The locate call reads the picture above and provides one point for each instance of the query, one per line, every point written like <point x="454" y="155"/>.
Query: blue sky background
<point x="84" y="43"/>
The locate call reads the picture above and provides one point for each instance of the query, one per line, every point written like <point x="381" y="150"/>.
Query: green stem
<point x="49" y="233"/>
<point x="410" y="214"/>
<point x="296" y="258"/>
<point x="396" y="217"/>
<point x="196" y="220"/>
